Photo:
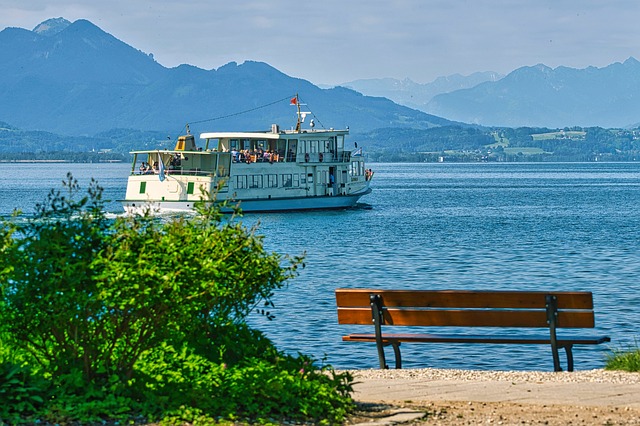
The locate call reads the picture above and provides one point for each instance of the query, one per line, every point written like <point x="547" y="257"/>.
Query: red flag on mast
<point x="294" y="100"/>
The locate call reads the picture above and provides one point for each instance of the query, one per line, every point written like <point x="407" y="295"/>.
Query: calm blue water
<point x="438" y="226"/>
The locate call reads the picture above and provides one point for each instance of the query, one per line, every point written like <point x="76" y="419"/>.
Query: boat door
<point x="333" y="181"/>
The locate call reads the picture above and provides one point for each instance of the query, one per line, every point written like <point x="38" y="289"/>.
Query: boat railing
<point x="255" y="157"/>
<point x="177" y="171"/>
<point x="325" y="157"/>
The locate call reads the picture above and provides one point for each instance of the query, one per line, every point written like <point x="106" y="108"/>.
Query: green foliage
<point x="274" y="388"/>
<point x="292" y="388"/>
<point x="22" y="392"/>
<point x="142" y="318"/>
<point x="48" y="295"/>
<point x="625" y="360"/>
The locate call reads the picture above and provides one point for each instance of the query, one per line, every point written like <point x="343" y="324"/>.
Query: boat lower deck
<point x="254" y="205"/>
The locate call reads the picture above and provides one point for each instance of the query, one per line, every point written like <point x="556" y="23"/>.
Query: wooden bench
<point x="464" y="308"/>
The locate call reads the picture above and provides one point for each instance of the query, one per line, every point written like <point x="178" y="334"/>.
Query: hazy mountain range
<point x="416" y="95"/>
<point x="551" y="97"/>
<point x="74" y="78"/>
<point x="529" y="96"/>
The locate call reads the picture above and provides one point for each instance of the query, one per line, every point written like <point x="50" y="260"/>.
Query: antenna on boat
<point x="294" y="101"/>
<point x="188" y="130"/>
<point x="301" y="114"/>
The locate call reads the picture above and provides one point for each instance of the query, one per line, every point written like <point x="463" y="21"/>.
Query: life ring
<point x="320" y="157"/>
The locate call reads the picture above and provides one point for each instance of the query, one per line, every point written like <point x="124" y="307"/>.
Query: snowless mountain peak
<point x="51" y="26"/>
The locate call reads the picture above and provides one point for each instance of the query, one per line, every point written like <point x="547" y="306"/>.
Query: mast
<point x="301" y="114"/>
<point x="296" y="102"/>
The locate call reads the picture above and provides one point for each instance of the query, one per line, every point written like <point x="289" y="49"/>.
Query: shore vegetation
<point x="624" y="360"/>
<point x="143" y="320"/>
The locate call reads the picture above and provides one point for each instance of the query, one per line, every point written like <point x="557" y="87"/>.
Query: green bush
<point x="256" y="389"/>
<point x="141" y="318"/>
<point x="22" y="392"/>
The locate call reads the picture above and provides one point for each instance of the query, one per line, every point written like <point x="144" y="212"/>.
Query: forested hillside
<point x="453" y="143"/>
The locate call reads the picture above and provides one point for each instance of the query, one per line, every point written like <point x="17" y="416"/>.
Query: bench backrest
<point x="466" y="308"/>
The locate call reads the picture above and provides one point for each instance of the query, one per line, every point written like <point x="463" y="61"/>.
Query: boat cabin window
<point x="318" y="146"/>
<point x="272" y="181"/>
<point x="255" y="181"/>
<point x="212" y="144"/>
<point x="241" y="182"/>
<point x="224" y="164"/>
<point x="309" y="147"/>
<point x="340" y="142"/>
<point x="292" y="150"/>
<point x="280" y="147"/>
<point x="357" y="168"/>
<point x="206" y="162"/>
<point x="323" y="176"/>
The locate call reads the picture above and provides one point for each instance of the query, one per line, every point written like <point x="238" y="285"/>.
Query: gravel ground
<point x="501" y="413"/>
<point x="495" y="413"/>
<point x="599" y="376"/>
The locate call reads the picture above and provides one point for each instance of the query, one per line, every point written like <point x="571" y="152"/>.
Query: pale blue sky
<point x="335" y="41"/>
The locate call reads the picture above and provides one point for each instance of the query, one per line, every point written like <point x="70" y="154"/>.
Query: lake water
<point x="437" y="226"/>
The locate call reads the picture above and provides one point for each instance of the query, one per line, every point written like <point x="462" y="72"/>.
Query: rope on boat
<point x="242" y="112"/>
<point x="287" y="98"/>
<point x="186" y="127"/>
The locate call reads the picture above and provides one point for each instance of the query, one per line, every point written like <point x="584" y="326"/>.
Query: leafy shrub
<point x="181" y="382"/>
<point x="22" y="392"/>
<point x="294" y="389"/>
<point x="49" y="296"/>
<point x="140" y="318"/>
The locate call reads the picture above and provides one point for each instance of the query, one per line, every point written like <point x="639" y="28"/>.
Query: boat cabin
<point x="280" y="146"/>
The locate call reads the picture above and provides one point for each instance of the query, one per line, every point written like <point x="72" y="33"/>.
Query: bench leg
<point x="552" y="319"/>
<point x="556" y="358"/>
<point x="377" y="317"/>
<point x="381" y="358"/>
<point x="569" y="352"/>
<point x="396" y="352"/>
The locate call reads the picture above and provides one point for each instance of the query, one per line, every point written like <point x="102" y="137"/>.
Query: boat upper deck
<point x="275" y="133"/>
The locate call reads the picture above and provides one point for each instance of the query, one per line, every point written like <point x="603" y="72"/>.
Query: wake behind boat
<point x="274" y="170"/>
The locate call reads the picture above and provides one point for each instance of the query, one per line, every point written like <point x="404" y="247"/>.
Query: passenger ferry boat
<point x="274" y="170"/>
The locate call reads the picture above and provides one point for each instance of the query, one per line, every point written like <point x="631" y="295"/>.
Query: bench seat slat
<point x="468" y="318"/>
<point x="464" y="298"/>
<point x="459" y="338"/>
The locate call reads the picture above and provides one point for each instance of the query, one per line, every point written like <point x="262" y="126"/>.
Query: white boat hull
<point x="253" y="206"/>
